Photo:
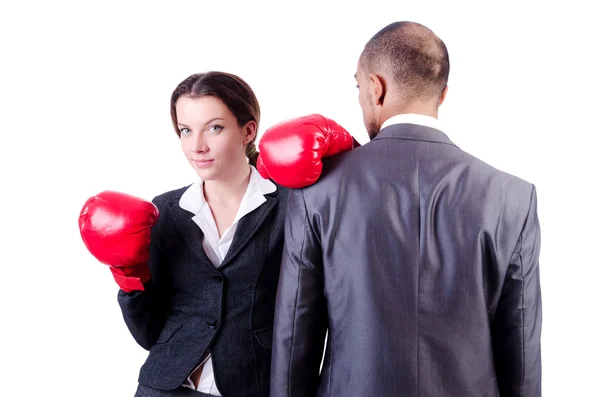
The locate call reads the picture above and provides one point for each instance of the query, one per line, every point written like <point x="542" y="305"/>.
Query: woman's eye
<point x="215" y="129"/>
<point x="184" y="131"/>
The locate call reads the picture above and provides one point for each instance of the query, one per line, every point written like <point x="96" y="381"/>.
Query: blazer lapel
<point x="190" y="231"/>
<point x="248" y="226"/>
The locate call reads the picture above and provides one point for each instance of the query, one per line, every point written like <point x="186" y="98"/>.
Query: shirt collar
<point x="193" y="200"/>
<point x="413" y="118"/>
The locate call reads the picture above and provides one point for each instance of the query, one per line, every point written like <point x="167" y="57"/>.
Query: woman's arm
<point x="145" y="311"/>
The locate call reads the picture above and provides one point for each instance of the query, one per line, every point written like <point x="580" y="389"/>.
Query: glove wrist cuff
<point x="131" y="282"/>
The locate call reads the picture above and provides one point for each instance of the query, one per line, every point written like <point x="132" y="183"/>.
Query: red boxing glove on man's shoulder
<point x="291" y="151"/>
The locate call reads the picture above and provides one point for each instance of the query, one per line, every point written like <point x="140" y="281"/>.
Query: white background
<point x="85" y="88"/>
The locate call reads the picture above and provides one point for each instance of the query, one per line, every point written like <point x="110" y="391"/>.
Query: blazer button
<point x="218" y="279"/>
<point x="212" y="324"/>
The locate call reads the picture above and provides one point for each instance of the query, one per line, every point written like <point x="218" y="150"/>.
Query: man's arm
<point x="517" y="324"/>
<point x="300" y="310"/>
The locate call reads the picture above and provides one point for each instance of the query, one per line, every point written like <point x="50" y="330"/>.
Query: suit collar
<point x="247" y="227"/>
<point x="413" y="132"/>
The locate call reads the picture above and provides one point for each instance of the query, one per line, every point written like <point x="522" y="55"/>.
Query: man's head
<point x="403" y="69"/>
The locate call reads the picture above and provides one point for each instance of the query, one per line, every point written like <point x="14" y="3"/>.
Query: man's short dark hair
<point x="413" y="55"/>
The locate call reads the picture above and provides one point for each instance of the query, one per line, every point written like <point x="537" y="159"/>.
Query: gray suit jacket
<point x="421" y="262"/>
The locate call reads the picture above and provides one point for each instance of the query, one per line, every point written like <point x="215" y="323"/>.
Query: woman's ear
<point x="250" y="131"/>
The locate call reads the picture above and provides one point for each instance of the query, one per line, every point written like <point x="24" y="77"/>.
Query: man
<point x="418" y="259"/>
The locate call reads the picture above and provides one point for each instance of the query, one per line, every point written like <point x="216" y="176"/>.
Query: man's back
<point x="423" y="251"/>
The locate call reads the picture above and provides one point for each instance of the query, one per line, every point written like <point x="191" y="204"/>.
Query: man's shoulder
<point x="496" y="174"/>
<point x="335" y="166"/>
<point x="344" y="167"/>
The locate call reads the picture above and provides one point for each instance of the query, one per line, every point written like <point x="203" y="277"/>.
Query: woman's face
<point x="211" y="139"/>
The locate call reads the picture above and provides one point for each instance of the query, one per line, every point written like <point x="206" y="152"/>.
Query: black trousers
<point x="143" y="391"/>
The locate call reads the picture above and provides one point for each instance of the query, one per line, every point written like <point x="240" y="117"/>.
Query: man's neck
<point x="424" y="109"/>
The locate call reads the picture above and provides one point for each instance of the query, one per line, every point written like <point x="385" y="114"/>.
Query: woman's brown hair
<point x="232" y="90"/>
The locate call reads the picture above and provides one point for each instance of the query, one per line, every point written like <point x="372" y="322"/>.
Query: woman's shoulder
<point x="281" y="192"/>
<point x="162" y="199"/>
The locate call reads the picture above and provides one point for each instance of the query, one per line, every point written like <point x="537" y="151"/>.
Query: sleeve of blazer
<point x="517" y="323"/>
<point x="300" y="312"/>
<point x="144" y="311"/>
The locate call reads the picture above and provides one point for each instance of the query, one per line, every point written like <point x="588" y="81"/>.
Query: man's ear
<point x="443" y="96"/>
<point x="378" y="88"/>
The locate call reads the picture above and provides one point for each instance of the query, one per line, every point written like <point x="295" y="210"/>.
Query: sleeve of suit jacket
<point x="517" y="323"/>
<point x="300" y="311"/>
<point x="144" y="311"/>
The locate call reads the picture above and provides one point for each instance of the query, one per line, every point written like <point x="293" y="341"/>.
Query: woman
<point x="218" y="250"/>
<point x="198" y="270"/>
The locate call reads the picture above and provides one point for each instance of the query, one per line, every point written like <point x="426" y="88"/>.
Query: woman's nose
<point x="199" y="144"/>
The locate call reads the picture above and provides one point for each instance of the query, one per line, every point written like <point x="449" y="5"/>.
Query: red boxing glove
<point x="115" y="228"/>
<point x="291" y="151"/>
